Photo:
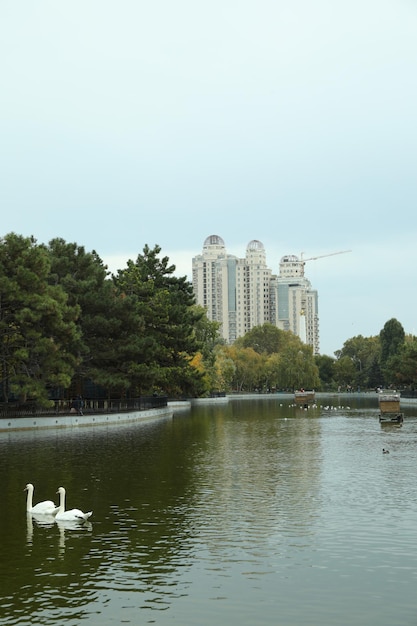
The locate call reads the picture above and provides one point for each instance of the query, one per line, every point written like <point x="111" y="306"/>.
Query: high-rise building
<point x="296" y="302"/>
<point x="243" y="293"/>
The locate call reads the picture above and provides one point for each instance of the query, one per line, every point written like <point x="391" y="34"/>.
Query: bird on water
<point x="72" y="515"/>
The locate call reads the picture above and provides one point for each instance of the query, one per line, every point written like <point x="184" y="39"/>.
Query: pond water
<point x="254" y="511"/>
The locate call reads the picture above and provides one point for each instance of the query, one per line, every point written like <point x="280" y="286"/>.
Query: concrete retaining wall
<point x="77" y="421"/>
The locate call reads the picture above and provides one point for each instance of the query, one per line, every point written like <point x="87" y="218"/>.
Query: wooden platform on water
<point x="389" y="408"/>
<point x="304" y="397"/>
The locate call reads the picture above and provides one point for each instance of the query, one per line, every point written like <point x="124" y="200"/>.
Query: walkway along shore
<point x="77" y="421"/>
<point x="39" y="422"/>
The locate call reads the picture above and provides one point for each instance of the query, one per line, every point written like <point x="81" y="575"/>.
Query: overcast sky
<point x="125" y="123"/>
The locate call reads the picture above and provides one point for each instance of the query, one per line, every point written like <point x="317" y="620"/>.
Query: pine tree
<point x="164" y="340"/>
<point x="37" y="324"/>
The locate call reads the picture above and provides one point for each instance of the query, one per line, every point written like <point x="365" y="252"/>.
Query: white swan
<point x="47" y="507"/>
<point x="74" y="515"/>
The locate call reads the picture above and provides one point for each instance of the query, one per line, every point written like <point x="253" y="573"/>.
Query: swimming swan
<point x="47" y="507"/>
<point x="74" y="515"/>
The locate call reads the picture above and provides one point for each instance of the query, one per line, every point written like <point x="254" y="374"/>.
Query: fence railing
<point x="90" y="406"/>
<point x="409" y="393"/>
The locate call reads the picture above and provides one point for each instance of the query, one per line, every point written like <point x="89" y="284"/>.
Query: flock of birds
<point x="50" y="509"/>
<point x="327" y="407"/>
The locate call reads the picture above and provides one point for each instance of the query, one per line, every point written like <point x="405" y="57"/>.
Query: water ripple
<point x="224" y="517"/>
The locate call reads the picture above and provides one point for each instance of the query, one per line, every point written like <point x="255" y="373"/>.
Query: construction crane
<point x="322" y="256"/>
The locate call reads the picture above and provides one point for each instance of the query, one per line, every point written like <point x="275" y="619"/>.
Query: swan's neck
<point x="29" y="501"/>
<point x="61" y="501"/>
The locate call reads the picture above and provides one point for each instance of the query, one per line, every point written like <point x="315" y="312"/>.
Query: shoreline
<point x="80" y="421"/>
<point x="17" y="424"/>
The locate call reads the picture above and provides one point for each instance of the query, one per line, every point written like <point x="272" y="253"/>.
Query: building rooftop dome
<point x="214" y="240"/>
<point x="255" y="245"/>
<point x="289" y="258"/>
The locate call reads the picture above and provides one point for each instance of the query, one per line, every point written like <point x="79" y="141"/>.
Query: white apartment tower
<point x="207" y="278"/>
<point x="252" y="288"/>
<point x="242" y="293"/>
<point x="296" y="302"/>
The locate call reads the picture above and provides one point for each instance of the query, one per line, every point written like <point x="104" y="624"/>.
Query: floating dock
<point x="389" y="407"/>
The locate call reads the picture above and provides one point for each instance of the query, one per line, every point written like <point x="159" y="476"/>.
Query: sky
<point x="125" y="123"/>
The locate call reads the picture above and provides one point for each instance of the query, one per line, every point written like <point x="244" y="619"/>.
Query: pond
<point x="254" y="511"/>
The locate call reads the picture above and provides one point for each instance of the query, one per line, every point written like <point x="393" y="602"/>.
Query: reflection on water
<point x="255" y="511"/>
<point x="32" y="519"/>
<point x="65" y="528"/>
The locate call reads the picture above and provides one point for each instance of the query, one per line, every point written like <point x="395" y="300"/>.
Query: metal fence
<point x="409" y="393"/>
<point x="90" y="406"/>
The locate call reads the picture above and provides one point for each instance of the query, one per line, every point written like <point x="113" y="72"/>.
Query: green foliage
<point x="376" y="360"/>
<point x="163" y="318"/>
<point x="65" y="320"/>
<point x="402" y="366"/>
<point x="224" y="369"/>
<point x="392" y="338"/>
<point x="344" y="372"/>
<point x="296" y="368"/>
<point x="248" y="368"/>
<point x="325" y="366"/>
<point x="207" y="333"/>
<point x="84" y="279"/>
<point x="37" y="324"/>
<point x="265" y="339"/>
<point x="364" y="352"/>
<point x="266" y="358"/>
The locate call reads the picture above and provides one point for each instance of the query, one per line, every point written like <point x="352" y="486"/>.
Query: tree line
<point x="66" y="323"/>
<point x="269" y="359"/>
<point x="68" y="326"/>
<point x="388" y="359"/>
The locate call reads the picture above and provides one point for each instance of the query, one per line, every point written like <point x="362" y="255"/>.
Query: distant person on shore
<point x="78" y="405"/>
